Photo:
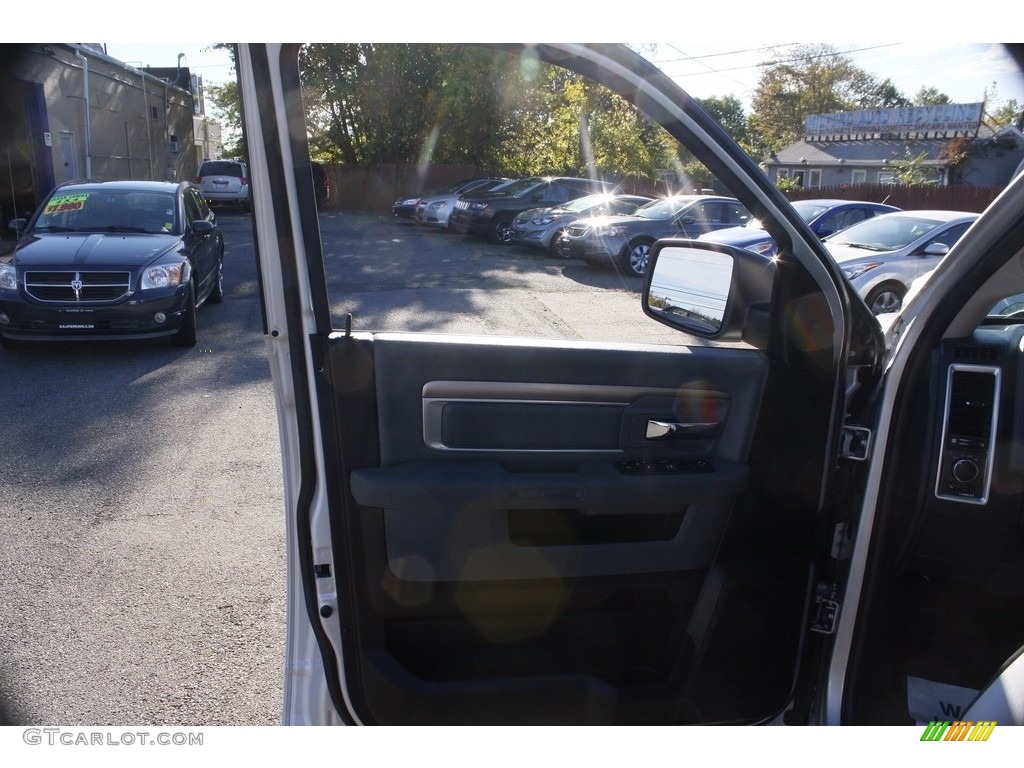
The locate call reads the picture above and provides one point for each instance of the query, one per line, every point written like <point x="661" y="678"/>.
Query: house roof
<point x="880" y="151"/>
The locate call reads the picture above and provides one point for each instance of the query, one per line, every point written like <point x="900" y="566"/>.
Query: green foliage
<point x="371" y="104"/>
<point x="787" y="184"/>
<point x="812" y="79"/>
<point x="930" y="97"/>
<point x="430" y="103"/>
<point x="1001" y="114"/>
<point x="227" y="109"/>
<point x="910" y="170"/>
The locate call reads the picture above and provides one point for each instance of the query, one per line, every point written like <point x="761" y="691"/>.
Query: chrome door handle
<point x="663" y="430"/>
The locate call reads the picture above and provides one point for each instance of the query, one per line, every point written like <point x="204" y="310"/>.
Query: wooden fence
<point x="375" y="189"/>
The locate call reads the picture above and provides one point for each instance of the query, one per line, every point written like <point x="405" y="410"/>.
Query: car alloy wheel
<point x="886" y="298"/>
<point x="637" y="258"/>
<point x="501" y="231"/>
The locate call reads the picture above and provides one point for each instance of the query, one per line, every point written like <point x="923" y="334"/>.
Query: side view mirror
<point x="686" y="220"/>
<point x="17" y="225"/>
<point x="202" y="226"/>
<point x="710" y="290"/>
<point x="936" y="249"/>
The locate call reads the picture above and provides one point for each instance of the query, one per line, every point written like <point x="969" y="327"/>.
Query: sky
<point x="963" y="71"/>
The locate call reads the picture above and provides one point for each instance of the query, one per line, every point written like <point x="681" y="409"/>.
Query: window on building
<point x="814" y="178"/>
<point x="859" y="177"/>
<point x="886" y="177"/>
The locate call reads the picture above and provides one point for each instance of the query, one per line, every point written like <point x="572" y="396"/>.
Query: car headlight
<point x="859" y="269"/>
<point x="8" y="277"/>
<point x="437" y="206"/>
<point x="544" y="220"/>
<point x="165" y="275"/>
<point x="478" y="206"/>
<point x="611" y="230"/>
<point x="762" y="249"/>
<point x="409" y="201"/>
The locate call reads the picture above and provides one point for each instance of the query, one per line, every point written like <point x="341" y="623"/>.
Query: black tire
<point x="217" y="294"/>
<point x="562" y="246"/>
<point x="554" y="246"/>
<point x="636" y="257"/>
<point x="186" y="335"/>
<point x="501" y="231"/>
<point x="887" y="297"/>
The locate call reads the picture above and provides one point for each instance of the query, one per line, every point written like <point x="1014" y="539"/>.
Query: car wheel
<point x="887" y="297"/>
<point x="186" y="335"/>
<point x="217" y="294"/>
<point x="555" y="245"/>
<point x="501" y="231"/>
<point x="638" y="254"/>
<point x="562" y="246"/>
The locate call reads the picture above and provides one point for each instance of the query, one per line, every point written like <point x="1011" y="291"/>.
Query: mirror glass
<point x="689" y="287"/>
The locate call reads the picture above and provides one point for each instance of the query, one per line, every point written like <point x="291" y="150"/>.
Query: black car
<point x="112" y="260"/>
<point x="491" y="214"/>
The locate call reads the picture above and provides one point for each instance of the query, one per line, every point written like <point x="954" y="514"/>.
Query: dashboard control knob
<point x="965" y="470"/>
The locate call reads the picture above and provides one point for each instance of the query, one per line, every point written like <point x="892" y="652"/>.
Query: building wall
<point x="209" y="144"/>
<point x="125" y="124"/>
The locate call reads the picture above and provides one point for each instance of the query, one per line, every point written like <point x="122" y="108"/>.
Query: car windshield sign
<point x="107" y="211"/>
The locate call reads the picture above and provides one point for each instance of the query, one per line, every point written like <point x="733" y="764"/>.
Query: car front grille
<point x="77" y="287"/>
<point x="462" y="205"/>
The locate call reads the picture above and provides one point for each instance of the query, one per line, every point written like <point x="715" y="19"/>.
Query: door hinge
<point x="855" y="443"/>
<point x="826" y="613"/>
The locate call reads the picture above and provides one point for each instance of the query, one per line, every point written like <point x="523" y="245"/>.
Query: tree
<point x="911" y="170"/>
<point x="809" y="79"/>
<point x="227" y="108"/>
<point x="370" y="104"/>
<point x="929" y="97"/>
<point x="817" y="79"/>
<point x="728" y="111"/>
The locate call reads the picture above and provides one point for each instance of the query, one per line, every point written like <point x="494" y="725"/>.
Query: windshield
<point x="809" y="211"/>
<point x="662" y="209"/>
<point x="885" y="233"/>
<point x="585" y="203"/>
<point x="107" y="211"/>
<point x="522" y="186"/>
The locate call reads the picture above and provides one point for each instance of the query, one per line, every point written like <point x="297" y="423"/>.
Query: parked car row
<point x="881" y="249"/>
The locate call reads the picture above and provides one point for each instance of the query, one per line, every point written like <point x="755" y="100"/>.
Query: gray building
<point x="69" y="111"/>
<point x="948" y="143"/>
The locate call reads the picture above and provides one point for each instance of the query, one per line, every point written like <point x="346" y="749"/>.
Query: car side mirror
<point x="685" y="220"/>
<point x="710" y="290"/>
<point x="17" y="225"/>
<point x="202" y="226"/>
<point x="935" y="249"/>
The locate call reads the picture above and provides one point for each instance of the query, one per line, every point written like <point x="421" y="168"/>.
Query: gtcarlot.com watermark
<point x="80" y="737"/>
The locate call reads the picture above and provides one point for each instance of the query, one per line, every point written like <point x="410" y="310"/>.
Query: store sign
<point x="937" y="121"/>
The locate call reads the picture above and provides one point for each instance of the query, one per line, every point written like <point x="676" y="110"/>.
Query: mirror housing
<point x="202" y="226"/>
<point x="935" y="249"/>
<point x="710" y="290"/>
<point x="17" y="225"/>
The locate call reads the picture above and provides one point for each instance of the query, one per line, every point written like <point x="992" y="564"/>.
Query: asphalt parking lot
<point x="142" y="576"/>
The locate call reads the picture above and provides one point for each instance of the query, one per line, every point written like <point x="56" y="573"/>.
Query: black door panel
<point x="522" y="539"/>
